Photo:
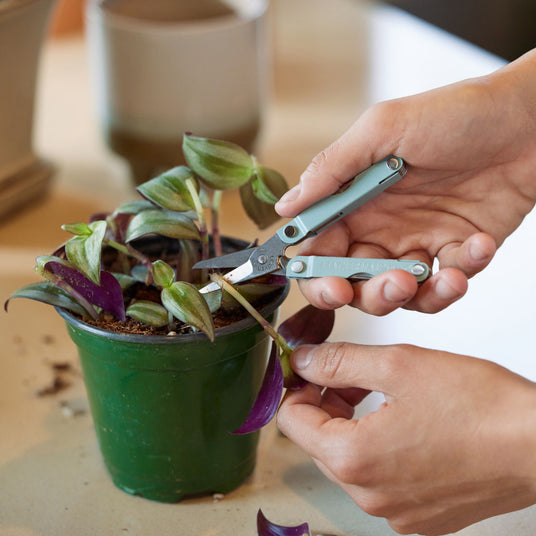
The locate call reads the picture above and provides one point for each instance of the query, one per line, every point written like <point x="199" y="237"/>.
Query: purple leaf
<point x="267" y="528"/>
<point x="267" y="402"/>
<point x="108" y="295"/>
<point x="308" y="326"/>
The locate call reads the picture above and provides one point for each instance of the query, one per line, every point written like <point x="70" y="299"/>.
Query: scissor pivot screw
<point x="291" y="231"/>
<point x="417" y="269"/>
<point x="393" y="163"/>
<point x="262" y="259"/>
<point x="297" y="267"/>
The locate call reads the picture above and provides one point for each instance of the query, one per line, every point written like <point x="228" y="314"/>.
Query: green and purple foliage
<point x="175" y="205"/>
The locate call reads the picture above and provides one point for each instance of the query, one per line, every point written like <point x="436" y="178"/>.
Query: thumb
<point x="367" y="141"/>
<point x="343" y="365"/>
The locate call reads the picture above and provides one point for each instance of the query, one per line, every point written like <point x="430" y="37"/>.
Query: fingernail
<point x="445" y="291"/>
<point x="302" y="357"/>
<point x="393" y="293"/>
<point x="291" y="195"/>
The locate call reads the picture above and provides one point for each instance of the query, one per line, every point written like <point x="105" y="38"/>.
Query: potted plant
<point x="171" y="372"/>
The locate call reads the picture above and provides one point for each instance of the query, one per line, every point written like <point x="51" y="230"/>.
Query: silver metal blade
<point x="230" y="260"/>
<point x="241" y="273"/>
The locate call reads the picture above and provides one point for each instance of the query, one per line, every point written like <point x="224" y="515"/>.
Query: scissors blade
<point x="240" y="273"/>
<point x="229" y="260"/>
<point x="259" y="260"/>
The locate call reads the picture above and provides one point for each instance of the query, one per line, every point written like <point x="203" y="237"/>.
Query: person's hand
<point x="453" y="443"/>
<point x="470" y="150"/>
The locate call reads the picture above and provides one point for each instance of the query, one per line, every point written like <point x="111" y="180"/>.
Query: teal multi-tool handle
<point x="305" y="267"/>
<point x="365" y="186"/>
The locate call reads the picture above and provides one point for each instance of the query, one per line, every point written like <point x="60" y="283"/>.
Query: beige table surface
<point x="52" y="480"/>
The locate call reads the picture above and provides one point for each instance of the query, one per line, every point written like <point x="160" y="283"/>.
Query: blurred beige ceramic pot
<point x="23" y="176"/>
<point x="164" y="67"/>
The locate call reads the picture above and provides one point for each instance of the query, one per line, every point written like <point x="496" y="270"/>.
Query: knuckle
<point x="396" y="360"/>
<point x="354" y="462"/>
<point x="405" y="526"/>
<point x="376" y="504"/>
<point x="318" y="162"/>
<point x="333" y="357"/>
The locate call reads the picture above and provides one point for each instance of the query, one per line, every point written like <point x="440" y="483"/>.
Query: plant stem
<point x="134" y="253"/>
<point x="215" y="217"/>
<point x="268" y="328"/>
<point x="198" y="206"/>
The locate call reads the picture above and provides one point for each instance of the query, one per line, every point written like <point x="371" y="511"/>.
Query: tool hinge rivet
<point x="262" y="259"/>
<point x="297" y="266"/>
<point x="291" y="231"/>
<point x="417" y="269"/>
<point x="393" y="163"/>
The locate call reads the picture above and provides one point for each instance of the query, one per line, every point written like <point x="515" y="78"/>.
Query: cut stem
<point x="268" y="328"/>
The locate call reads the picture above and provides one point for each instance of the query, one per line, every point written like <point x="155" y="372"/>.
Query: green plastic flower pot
<point x="163" y="407"/>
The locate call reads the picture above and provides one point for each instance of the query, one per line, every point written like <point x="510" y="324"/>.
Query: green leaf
<point x="268" y="185"/>
<point x="139" y="273"/>
<point x="84" y="251"/>
<point x="134" y="207"/>
<point x="185" y="302"/>
<point x="148" y="312"/>
<point x="169" y="190"/>
<point x="47" y="292"/>
<point x="124" y="280"/>
<point x="163" y="222"/>
<point x="213" y="299"/>
<point x="220" y="164"/>
<point x="163" y="274"/>
<point x="261" y="213"/>
<point x="79" y="228"/>
<point x="42" y="260"/>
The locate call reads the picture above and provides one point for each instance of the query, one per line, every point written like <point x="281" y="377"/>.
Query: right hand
<point x="470" y="150"/>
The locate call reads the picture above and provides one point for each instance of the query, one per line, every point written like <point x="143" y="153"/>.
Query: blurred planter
<point x="23" y="176"/>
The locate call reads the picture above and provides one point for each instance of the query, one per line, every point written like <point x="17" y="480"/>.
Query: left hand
<point x="453" y="443"/>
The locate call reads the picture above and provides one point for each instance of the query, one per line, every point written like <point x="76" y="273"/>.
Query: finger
<point x="342" y="402"/>
<point x="304" y="422"/>
<point x="327" y="292"/>
<point x="351" y="154"/>
<point x="343" y="365"/>
<point x="378" y="296"/>
<point x="471" y="256"/>
<point x="439" y="291"/>
<point x="384" y="293"/>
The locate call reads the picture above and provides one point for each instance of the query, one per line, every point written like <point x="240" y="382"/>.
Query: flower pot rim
<point x="182" y="337"/>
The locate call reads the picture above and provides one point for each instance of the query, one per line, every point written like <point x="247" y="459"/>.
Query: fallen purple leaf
<point x="267" y="528"/>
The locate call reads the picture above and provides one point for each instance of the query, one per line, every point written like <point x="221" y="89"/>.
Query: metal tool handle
<point x="305" y="267"/>
<point x="365" y="186"/>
